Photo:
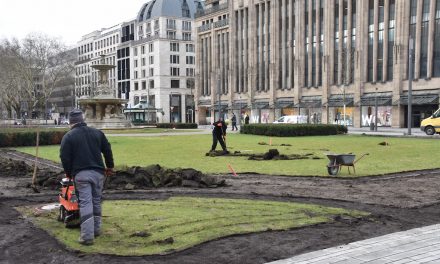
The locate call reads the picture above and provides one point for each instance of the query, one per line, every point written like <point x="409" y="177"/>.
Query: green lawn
<point x="402" y="154"/>
<point x="147" y="130"/>
<point x="188" y="221"/>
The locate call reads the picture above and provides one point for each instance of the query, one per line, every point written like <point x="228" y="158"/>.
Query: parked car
<point x="291" y="119"/>
<point x="431" y="125"/>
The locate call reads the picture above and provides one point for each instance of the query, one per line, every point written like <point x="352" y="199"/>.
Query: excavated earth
<point x="396" y="201"/>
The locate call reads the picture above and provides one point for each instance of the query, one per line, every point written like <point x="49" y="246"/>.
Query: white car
<point x="291" y="119"/>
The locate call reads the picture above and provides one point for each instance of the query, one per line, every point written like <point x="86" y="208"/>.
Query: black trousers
<point x="218" y="138"/>
<point x="234" y="124"/>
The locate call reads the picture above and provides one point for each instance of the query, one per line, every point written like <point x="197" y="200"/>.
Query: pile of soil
<point x="155" y="176"/>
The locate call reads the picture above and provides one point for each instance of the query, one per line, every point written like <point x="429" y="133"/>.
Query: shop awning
<point x="309" y="104"/>
<point x="420" y="99"/>
<point x="261" y="105"/>
<point x="239" y="105"/>
<point x="338" y="100"/>
<point x="284" y="104"/>
<point x="370" y="99"/>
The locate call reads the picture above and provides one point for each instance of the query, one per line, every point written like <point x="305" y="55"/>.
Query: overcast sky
<point x="67" y="19"/>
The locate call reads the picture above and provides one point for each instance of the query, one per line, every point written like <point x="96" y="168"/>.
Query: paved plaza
<point x="419" y="245"/>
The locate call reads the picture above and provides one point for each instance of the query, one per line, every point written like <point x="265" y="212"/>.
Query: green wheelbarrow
<point x="336" y="161"/>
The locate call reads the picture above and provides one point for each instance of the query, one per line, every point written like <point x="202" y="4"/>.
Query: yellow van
<point x="431" y="125"/>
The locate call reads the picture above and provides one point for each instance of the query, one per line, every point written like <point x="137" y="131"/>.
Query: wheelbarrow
<point x="336" y="161"/>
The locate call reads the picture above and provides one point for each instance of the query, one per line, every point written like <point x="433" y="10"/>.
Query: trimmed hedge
<point x="28" y="138"/>
<point x="177" y="125"/>
<point x="293" y="130"/>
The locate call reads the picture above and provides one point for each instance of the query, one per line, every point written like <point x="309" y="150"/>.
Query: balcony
<point x="204" y="28"/>
<point x="211" y="10"/>
<point x="171" y="26"/>
<point x="221" y="23"/>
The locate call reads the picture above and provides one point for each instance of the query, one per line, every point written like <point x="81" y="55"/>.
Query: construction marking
<point x="232" y="169"/>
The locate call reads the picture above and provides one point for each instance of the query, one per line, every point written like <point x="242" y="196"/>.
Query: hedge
<point x="28" y="138"/>
<point x="293" y="130"/>
<point x="177" y="125"/>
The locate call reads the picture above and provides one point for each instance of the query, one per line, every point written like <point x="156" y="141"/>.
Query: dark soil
<point x="397" y="202"/>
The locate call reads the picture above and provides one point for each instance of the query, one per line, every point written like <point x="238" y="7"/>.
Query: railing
<point x="203" y="28"/>
<point x="221" y="23"/>
<point x="171" y="26"/>
<point x="211" y="10"/>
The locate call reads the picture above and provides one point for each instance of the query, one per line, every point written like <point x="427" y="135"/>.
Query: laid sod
<point x="160" y="227"/>
<point x="188" y="151"/>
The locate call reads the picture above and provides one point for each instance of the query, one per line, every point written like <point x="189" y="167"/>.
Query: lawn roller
<point x="69" y="208"/>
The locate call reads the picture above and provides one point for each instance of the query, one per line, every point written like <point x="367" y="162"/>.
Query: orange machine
<point x="69" y="209"/>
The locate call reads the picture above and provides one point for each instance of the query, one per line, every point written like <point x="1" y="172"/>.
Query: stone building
<point x="269" y="58"/>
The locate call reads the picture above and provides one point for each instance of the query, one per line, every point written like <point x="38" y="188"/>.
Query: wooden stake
<point x="270" y="141"/>
<point x="34" y="176"/>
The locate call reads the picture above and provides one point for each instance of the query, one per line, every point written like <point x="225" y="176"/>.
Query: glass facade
<point x="384" y="115"/>
<point x="436" y="59"/>
<point x="424" y="44"/>
<point x="391" y="25"/>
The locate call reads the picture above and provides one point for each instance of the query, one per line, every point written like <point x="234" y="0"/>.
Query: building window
<point x="171" y="34"/>
<point x="186" y="25"/>
<point x="189" y="71"/>
<point x="189" y="59"/>
<point x="189" y="47"/>
<point x="151" y="71"/>
<point x="174" y="59"/>
<point x="151" y="59"/>
<point x="135" y="51"/>
<point x="370" y="40"/>
<point x="143" y="73"/>
<point x="174" y="46"/>
<point x="391" y="26"/>
<point x="135" y="74"/>
<point x="135" y="63"/>
<point x="171" y="24"/>
<point x="175" y="83"/>
<point x="186" y="36"/>
<point x="424" y="44"/>
<point x="336" y="49"/>
<point x="151" y="84"/>
<point x="143" y="62"/>
<point x="151" y="47"/>
<point x="136" y="86"/>
<point x="174" y="71"/>
<point x="144" y="85"/>
<point x="142" y="49"/>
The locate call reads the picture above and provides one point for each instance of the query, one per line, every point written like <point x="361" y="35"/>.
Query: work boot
<point x="225" y="152"/>
<point x="87" y="242"/>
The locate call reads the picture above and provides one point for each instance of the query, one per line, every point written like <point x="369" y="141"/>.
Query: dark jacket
<point x="219" y="128"/>
<point x="234" y="119"/>
<point x="81" y="149"/>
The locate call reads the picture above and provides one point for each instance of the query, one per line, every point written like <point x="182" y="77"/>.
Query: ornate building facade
<point x="332" y="61"/>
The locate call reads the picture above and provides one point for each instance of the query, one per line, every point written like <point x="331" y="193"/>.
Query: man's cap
<point x="76" y="116"/>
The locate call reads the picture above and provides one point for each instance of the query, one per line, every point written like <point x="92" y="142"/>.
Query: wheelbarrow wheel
<point x="333" y="170"/>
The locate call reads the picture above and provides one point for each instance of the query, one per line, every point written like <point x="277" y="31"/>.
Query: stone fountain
<point x="102" y="109"/>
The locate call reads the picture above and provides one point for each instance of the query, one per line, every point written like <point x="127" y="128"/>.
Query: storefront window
<point x="313" y="115"/>
<point x="336" y="115"/>
<point x="383" y="115"/>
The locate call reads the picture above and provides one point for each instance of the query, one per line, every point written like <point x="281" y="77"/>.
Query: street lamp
<point x="219" y="94"/>
<point x="410" y="79"/>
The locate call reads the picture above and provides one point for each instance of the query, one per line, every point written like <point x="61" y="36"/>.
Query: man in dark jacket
<point x="80" y="155"/>
<point x="219" y="134"/>
<point x="234" y="122"/>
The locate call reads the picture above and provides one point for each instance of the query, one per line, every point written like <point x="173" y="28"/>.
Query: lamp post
<point x="410" y="79"/>
<point x="219" y="94"/>
<point x="375" y="111"/>
<point x="343" y="101"/>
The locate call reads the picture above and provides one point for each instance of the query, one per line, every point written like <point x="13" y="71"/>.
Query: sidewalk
<point x="389" y="131"/>
<point x="419" y="245"/>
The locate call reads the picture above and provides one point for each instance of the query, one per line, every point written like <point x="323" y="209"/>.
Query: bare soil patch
<point x="397" y="202"/>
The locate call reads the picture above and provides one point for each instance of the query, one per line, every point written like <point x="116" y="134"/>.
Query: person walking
<point x="234" y="122"/>
<point x="219" y="135"/>
<point x="80" y="155"/>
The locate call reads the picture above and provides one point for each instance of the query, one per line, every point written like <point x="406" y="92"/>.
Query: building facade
<point x="154" y="55"/>
<point x="89" y="51"/>
<point x="332" y="61"/>
<point x="163" y="61"/>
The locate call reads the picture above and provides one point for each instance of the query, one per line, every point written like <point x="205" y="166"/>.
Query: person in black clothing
<point x="246" y="120"/>
<point x="234" y="122"/>
<point x="219" y="134"/>
<point x="81" y="158"/>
